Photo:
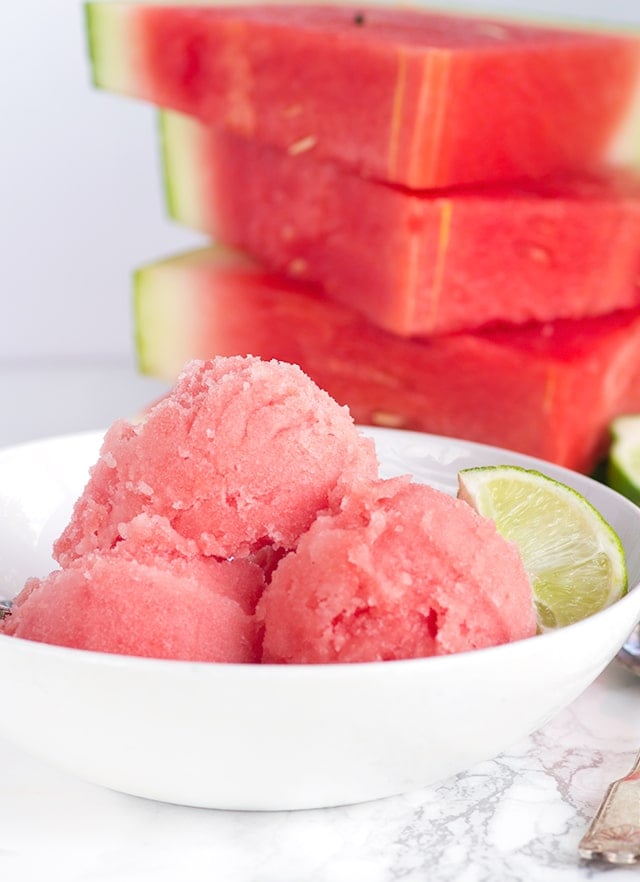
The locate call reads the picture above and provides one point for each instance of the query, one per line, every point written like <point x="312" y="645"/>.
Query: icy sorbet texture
<point x="243" y="520"/>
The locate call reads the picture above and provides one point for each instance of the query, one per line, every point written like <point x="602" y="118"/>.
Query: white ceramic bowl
<point x="282" y="737"/>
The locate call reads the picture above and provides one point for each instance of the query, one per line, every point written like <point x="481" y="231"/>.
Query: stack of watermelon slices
<point x="435" y="216"/>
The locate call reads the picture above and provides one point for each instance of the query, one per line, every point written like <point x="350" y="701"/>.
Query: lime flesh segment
<point x="623" y="465"/>
<point x="574" y="559"/>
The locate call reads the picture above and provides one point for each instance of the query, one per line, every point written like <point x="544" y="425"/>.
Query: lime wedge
<point x="623" y="465"/>
<point x="574" y="559"/>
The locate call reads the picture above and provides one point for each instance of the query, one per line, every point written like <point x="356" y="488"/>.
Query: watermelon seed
<point x="301" y="146"/>
<point x="297" y="266"/>
<point x="358" y="19"/>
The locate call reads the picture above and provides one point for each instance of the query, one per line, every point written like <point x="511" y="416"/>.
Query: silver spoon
<point x="614" y="834"/>
<point x="629" y="655"/>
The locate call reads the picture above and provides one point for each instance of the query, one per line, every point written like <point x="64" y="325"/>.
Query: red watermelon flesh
<point x="425" y="99"/>
<point x="549" y="390"/>
<point x="413" y="262"/>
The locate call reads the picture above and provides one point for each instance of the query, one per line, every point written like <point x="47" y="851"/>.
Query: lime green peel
<point x="574" y="559"/>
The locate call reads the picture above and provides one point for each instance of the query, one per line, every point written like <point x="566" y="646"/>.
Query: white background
<point x="80" y="187"/>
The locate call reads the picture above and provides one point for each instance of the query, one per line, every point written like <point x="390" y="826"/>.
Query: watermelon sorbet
<point x="243" y="520"/>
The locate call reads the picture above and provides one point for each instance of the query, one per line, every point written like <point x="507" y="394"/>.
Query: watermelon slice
<point x="413" y="262"/>
<point x="421" y="98"/>
<point x="549" y="390"/>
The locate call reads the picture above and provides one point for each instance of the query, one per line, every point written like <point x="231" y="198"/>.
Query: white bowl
<point x="282" y="737"/>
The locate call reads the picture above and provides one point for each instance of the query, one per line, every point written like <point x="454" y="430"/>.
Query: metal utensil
<point x="614" y="834"/>
<point x="629" y="655"/>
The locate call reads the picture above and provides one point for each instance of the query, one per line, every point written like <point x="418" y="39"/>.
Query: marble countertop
<point x="517" y="817"/>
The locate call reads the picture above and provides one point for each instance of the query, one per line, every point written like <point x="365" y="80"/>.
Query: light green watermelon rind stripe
<point x="111" y="44"/>
<point x="166" y="317"/>
<point x="142" y="336"/>
<point x="183" y="172"/>
<point x="171" y="199"/>
<point x="159" y="333"/>
<point x="92" y="29"/>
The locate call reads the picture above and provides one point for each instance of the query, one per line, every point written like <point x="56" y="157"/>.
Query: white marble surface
<point x="517" y="817"/>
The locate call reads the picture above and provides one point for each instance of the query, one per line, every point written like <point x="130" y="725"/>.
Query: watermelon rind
<point x="151" y="323"/>
<point x="111" y="47"/>
<point x="623" y="463"/>
<point x="182" y="181"/>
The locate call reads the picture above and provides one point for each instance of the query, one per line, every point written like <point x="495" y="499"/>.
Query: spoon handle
<point x="614" y="834"/>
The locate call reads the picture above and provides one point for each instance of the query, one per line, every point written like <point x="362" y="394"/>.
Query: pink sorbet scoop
<point x="404" y="571"/>
<point x="134" y="603"/>
<point x="243" y="520"/>
<point x="241" y="454"/>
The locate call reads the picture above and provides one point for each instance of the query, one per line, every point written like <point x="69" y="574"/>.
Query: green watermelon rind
<point x="182" y="173"/>
<point x="167" y="170"/>
<point x="621" y="467"/>
<point x="93" y="31"/>
<point x="158" y="346"/>
<point x="141" y="332"/>
<point x="111" y="47"/>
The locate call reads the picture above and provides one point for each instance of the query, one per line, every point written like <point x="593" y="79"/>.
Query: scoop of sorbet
<point x="403" y="571"/>
<point x="241" y="454"/>
<point x="139" y="600"/>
